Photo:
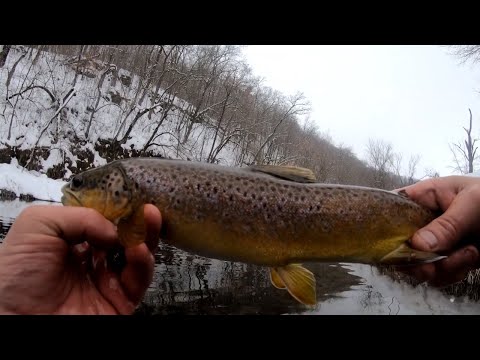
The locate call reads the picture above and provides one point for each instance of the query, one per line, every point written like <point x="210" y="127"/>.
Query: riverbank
<point x="17" y="182"/>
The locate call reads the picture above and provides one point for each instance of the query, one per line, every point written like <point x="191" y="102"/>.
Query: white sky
<point x="415" y="97"/>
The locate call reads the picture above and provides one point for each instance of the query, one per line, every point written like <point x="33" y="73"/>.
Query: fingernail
<point x="428" y="238"/>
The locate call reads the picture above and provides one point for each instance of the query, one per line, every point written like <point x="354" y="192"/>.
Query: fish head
<point x="105" y="189"/>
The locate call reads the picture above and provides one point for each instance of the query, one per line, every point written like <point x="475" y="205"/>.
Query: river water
<point x="188" y="284"/>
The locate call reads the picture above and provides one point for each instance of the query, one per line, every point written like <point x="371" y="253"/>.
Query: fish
<point x="277" y="217"/>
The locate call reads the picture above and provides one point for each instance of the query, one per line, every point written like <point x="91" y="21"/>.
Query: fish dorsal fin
<point x="402" y="193"/>
<point x="405" y="255"/>
<point x="292" y="173"/>
<point x="297" y="280"/>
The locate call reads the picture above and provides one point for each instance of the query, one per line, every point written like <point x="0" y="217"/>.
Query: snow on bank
<point x="16" y="179"/>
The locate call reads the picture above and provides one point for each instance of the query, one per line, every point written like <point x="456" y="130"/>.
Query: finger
<point x="74" y="224"/>
<point x="153" y="223"/>
<point x="436" y="193"/>
<point x="138" y="272"/>
<point x="108" y="284"/>
<point x="444" y="232"/>
<point x="422" y="273"/>
<point x="456" y="267"/>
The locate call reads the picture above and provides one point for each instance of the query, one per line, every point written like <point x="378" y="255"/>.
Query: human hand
<point x="53" y="261"/>
<point x="458" y="198"/>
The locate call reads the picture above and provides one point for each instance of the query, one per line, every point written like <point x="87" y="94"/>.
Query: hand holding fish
<point x="53" y="261"/>
<point x="458" y="198"/>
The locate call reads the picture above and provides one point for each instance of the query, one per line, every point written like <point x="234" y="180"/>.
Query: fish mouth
<point x="68" y="197"/>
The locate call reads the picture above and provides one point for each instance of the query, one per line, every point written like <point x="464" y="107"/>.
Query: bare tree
<point x="380" y="156"/>
<point x="465" y="155"/>
<point x="466" y="52"/>
<point x="4" y="50"/>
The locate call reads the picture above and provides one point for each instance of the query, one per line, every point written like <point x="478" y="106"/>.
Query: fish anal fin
<point x="131" y="230"/>
<point x="405" y="255"/>
<point x="276" y="279"/>
<point x="299" y="282"/>
<point x="292" y="173"/>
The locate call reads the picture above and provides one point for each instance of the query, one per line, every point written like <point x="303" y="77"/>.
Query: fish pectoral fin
<point x="131" y="230"/>
<point x="276" y="279"/>
<point x="299" y="282"/>
<point x="292" y="173"/>
<point x="405" y="255"/>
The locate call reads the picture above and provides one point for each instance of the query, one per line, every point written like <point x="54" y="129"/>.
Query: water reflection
<point x="184" y="283"/>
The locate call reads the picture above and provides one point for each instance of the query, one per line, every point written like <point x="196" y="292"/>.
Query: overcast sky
<point x="415" y="97"/>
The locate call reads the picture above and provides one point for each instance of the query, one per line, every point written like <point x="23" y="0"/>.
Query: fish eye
<point x="76" y="182"/>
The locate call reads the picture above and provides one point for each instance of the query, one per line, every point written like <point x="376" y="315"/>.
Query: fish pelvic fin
<point x="131" y="230"/>
<point x="405" y="255"/>
<point x="297" y="280"/>
<point x="276" y="279"/>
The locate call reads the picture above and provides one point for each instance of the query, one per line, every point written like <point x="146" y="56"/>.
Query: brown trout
<point x="272" y="216"/>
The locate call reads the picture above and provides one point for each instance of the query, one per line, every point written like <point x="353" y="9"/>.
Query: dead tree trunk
<point x="3" y="54"/>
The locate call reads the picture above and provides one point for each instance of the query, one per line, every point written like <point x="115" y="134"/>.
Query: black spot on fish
<point x="253" y="196"/>
<point x="148" y="181"/>
<point x="124" y="187"/>
<point x="198" y="186"/>
<point x="260" y="198"/>
<point x="262" y="188"/>
<point x="230" y="198"/>
<point x="215" y="190"/>
<point x="108" y="176"/>
<point x="207" y="183"/>
<point x="174" y="176"/>
<point x="136" y="185"/>
<point x="117" y="193"/>
<point x="109" y="184"/>
<point x="172" y="189"/>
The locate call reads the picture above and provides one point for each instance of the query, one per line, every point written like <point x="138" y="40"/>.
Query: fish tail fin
<point x="297" y="280"/>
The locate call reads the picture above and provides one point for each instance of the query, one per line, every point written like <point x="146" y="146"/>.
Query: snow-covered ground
<point x="20" y="181"/>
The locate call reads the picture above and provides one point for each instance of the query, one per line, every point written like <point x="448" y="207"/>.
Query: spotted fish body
<point x="245" y="215"/>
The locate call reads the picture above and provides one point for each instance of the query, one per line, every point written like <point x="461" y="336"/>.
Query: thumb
<point x="444" y="232"/>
